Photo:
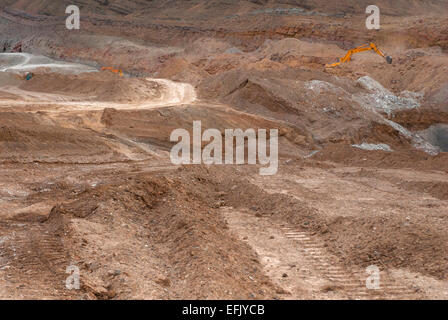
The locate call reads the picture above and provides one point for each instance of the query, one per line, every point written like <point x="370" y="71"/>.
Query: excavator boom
<point x="365" y="47"/>
<point x="117" y="71"/>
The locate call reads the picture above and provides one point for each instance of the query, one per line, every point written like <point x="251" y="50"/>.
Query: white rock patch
<point x="370" y="147"/>
<point x="381" y="99"/>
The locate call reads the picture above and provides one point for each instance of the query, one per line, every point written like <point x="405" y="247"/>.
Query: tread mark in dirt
<point x="353" y="282"/>
<point x="36" y="262"/>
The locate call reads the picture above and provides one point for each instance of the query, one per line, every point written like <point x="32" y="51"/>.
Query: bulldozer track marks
<point x="299" y="262"/>
<point x="353" y="282"/>
<point x="33" y="261"/>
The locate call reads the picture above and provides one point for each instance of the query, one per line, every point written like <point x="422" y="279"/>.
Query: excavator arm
<point x="375" y="48"/>
<point x="365" y="47"/>
<point x="117" y="71"/>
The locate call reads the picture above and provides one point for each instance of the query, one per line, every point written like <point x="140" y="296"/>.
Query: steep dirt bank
<point x="141" y="46"/>
<point x="198" y="8"/>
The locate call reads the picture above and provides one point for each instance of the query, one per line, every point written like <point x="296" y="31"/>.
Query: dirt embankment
<point x="104" y="87"/>
<point x="420" y="120"/>
<point x="155" y="126"/>
<point x="26" y="137"/>
<point x="140" y="237"/>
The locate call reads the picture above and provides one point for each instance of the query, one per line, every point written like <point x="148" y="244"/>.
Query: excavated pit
<point x="86" y="176"/>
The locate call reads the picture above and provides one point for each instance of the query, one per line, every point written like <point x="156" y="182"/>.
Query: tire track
<point x="298" y="262"/>
<point x="33" y="261"/>
<point x="353" y="282"/>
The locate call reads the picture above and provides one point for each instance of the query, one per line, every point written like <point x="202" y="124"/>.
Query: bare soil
<point x="86" y="178"/>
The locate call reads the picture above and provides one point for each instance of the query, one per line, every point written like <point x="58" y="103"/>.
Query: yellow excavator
<point x="117" y="71"/>
<point x="365" y="47"/>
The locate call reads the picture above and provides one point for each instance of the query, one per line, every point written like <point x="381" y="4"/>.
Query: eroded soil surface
<point x="86" y="179"/>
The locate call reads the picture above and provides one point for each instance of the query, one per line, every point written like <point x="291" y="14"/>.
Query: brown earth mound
<point x="154" y="127"/>
<point x="183" y="245"/>
<point x="29" y="137"/>
<point x="105" y="87"/>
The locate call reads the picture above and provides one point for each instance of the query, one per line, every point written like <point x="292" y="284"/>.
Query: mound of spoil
<point x="325" y="107"/>
<point x="143" y="237"/>
<point x="96" y="87"/>
<point x="154" y="126"/>
<point x="29" y="137"/>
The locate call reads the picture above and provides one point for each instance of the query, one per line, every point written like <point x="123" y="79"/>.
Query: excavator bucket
<point x="389" y="59"/>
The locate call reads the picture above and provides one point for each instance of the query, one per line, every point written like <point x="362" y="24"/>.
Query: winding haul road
<point x="172" y="93"/>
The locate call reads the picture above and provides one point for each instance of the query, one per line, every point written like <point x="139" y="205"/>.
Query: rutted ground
<point x="86" y="178"/>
